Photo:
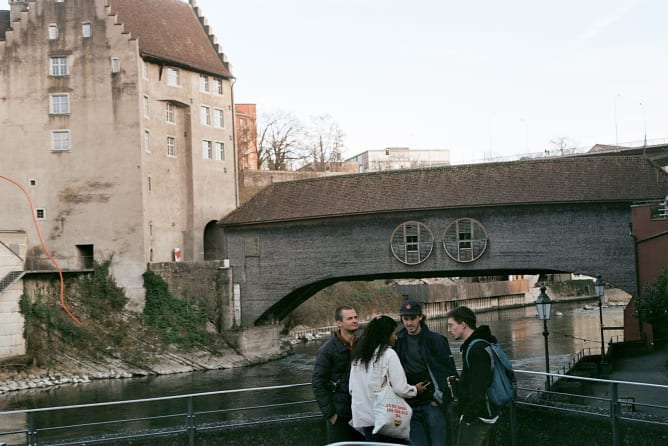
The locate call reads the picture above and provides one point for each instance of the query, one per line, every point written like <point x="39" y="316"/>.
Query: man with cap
<point x="425" y="356"/>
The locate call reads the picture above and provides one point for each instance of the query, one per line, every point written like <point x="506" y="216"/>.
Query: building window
<point x="115" y="65"/>
<point x="147" y="141"/>
<point x="147" y="107"/>
<point x="169" y="113"/>
<point x="53" y="32"/>
<point x="40" y="213"/>
<point x="207" y="150"/>
<point x="60" y="140"/>
<point x="219" y="151"/>
<point x="205" y="115"/>
<point x="33" y="182"/>
<point x="465" y="240"/>
<point x="60" y="104"/>
<point x="58" y="66"/>
<point x="171" y="146"/>
<point x="412" y="242"/>
<point x="218" y="119"/>
<point x="204" y="83"/>
<point x="173" y="77"/>
<point x="217" y="86"/>
<point x="144" y="69"/>
<point x="86" y="30"/>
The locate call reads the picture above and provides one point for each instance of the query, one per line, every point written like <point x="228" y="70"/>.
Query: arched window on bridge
<point x="465" y="240"/>
<point x="412" y="242"/>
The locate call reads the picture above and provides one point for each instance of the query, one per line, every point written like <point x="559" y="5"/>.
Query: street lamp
<point x="544" y="307"/>
<point x="600" y="289"/>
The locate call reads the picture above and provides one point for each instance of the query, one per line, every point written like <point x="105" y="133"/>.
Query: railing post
<point x="614" y="404"/>
<point x="190" y="423"/>
<point x="31" y="434"/>
<point x="513" y="424"/>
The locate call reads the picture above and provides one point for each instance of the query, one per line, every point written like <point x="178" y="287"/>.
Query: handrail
<point x="186" y="419"/>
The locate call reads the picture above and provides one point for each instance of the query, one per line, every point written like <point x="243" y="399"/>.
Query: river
<point x="519" y="333"/>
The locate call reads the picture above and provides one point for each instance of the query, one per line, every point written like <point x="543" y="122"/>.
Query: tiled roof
<point x="578" y="179"/>
<point x="169" y="30"/>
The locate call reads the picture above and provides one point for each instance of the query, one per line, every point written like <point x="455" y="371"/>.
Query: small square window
<point x="60" y="140"/>
<point x="58" y="66"/>
<point x="33" y="182"/>
<point x="115" y="65"/>
<point x="40" y="213"/>
<point x="60" y="104"/>
<point x="86" y="30"/>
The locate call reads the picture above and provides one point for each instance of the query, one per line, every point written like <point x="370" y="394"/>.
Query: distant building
<point x="395" y="158"/>
<point x="117" y="117"/>
<point x="246" y="122"/>
<point x="331" y="166"/>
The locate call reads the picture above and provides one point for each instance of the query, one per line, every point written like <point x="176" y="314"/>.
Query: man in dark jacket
<point x="425" y="356"/>
<point x="478" y="416"/>
<point x="331" y="374"/>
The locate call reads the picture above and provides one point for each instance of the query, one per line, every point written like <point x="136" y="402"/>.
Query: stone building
<point x="117" y="117"/>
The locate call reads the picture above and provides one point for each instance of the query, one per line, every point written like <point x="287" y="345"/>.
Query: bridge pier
<point x="257" y="344"/>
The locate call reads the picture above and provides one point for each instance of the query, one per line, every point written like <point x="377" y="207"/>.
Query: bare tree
<point x="280" y="136"/>
<point x="325" y="141"/>
<point x="561" y="146"/>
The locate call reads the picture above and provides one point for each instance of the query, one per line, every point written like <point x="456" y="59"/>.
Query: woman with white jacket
<point x="372" y="359"/>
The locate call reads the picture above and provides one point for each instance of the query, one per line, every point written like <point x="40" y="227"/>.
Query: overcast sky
<point x="482" y="78"/>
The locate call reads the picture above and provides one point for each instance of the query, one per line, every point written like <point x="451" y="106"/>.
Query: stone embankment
<point x="69" y="370"/>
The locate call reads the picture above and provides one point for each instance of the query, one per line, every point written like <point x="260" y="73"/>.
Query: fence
<point x="613" y="405"/>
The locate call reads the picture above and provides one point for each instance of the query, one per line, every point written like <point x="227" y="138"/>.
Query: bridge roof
<point x="577" y="179"/>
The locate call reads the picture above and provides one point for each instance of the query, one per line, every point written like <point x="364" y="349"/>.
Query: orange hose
<point x="44" y="248"/>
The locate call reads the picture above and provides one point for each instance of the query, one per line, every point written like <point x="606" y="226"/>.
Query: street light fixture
<point x="544" y="307"/>
<point x="600" y="289"/>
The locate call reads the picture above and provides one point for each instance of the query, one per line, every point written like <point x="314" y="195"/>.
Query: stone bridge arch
<point x="546" y="216"/>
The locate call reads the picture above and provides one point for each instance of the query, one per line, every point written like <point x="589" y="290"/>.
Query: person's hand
<point x="332" y="419"/>
<point x="421" y="387"/>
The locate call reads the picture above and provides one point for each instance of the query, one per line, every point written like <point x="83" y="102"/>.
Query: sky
<point x="482" y="78"/>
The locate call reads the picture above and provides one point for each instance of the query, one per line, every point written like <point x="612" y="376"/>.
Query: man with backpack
<point x="478" y="414"/>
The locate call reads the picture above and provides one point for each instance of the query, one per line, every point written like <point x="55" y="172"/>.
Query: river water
<point x="519" y="333"/>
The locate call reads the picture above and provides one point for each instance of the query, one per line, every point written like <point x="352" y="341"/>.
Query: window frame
<point x="173" y="77"/>
<point x="53" y="31"/>
<point x="55" y="142"/>
<point x="170" y="113"/>
<point x="147" y="141"/>
<point x="41" y="211"/>
<point x="115" y="65"/>
<point x="171" y="146"/>
<point x="218" y="118"/>
<point x="217" y="87"/>
<point x="205" y="115"/>
<point x="203" y="83"/>
<point x="146" y="107"/>
<point x="86" y="30"/>
<point x="219" y="151"/>
<point x="207" y="149"/>
<point x="59" y="66"/>
<point x="53" y="105"/>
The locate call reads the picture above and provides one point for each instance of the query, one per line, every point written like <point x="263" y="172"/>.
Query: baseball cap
<point x="410" y="308"/>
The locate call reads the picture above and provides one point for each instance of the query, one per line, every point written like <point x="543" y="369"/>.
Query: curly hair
<point x="376" y="339"/>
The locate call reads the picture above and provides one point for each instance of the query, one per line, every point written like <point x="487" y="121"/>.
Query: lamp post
<point x="544" y="307"/>
<point x="600" y="289"/>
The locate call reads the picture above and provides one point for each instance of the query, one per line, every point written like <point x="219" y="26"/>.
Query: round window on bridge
<point x="465" y="240"/>
<point x="412" y="242"/>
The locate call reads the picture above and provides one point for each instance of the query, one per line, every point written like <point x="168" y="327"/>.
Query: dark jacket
<point x="435" y="349"/>
<point x="330" y="378"/>
<point x="476" y="377"/>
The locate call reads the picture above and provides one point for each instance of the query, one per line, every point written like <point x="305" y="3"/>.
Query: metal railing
<point x="187" y="415"/>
